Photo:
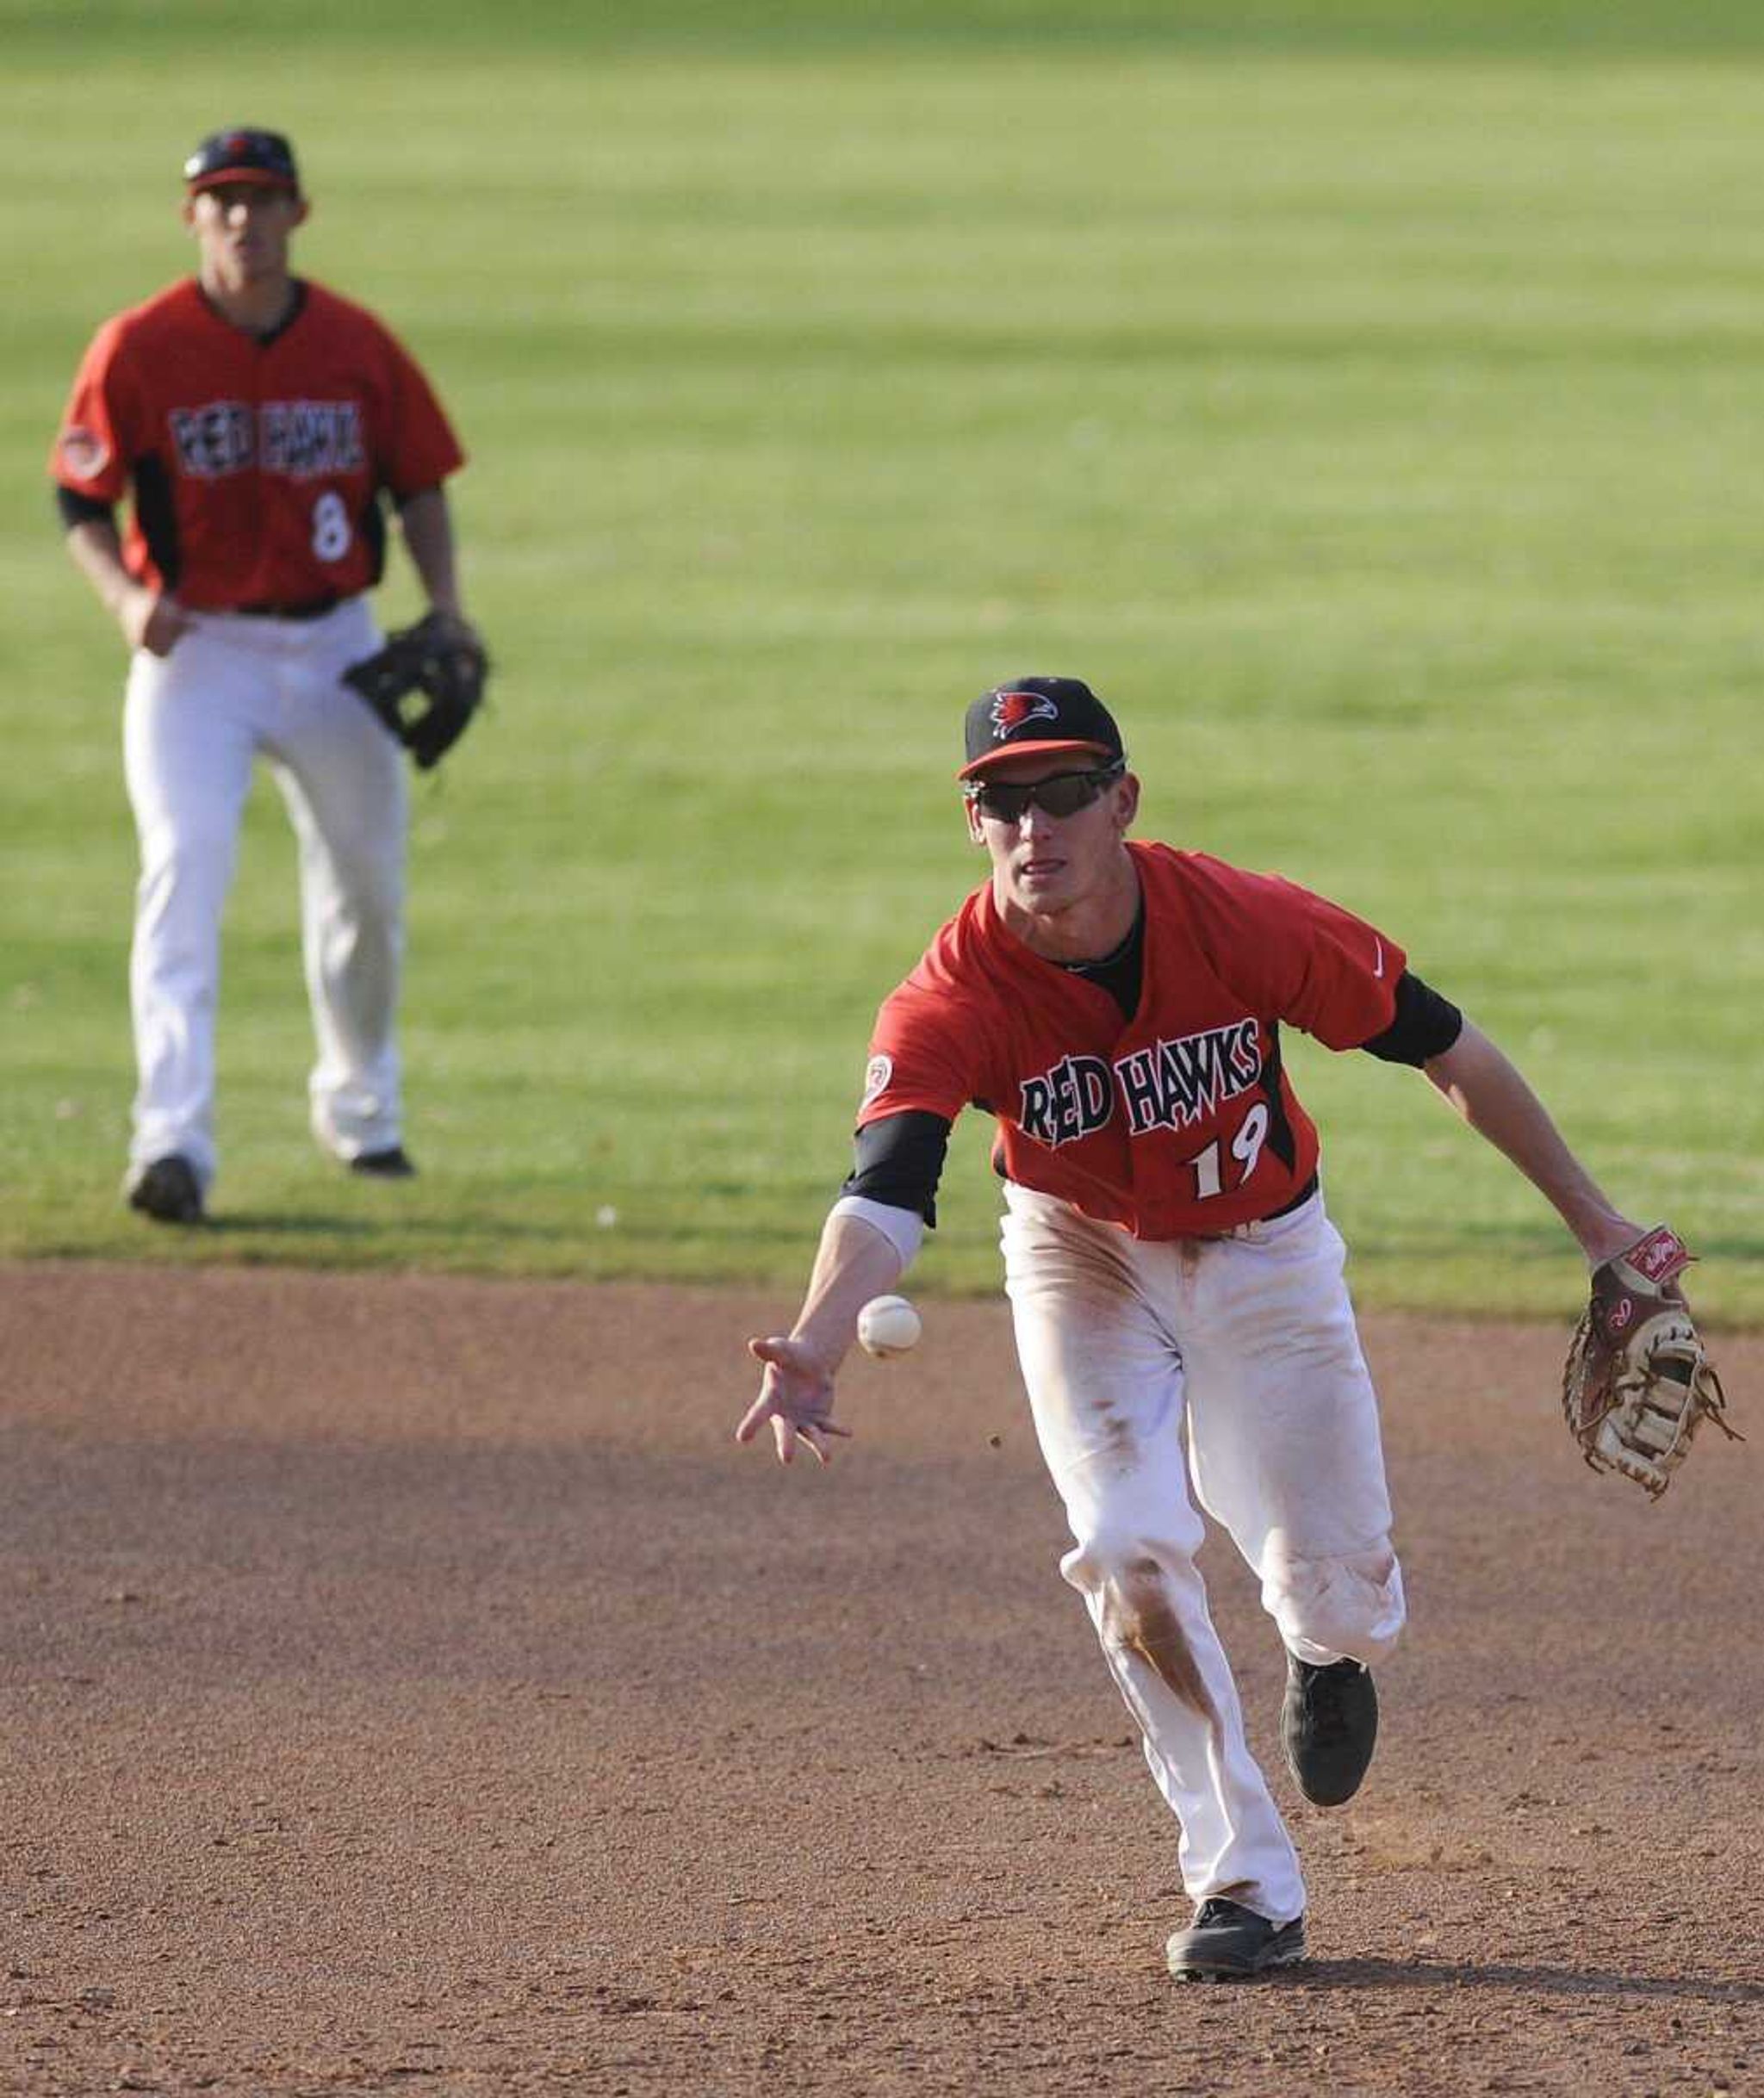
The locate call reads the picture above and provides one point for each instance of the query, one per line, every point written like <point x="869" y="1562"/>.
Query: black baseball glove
<point x="424" y="684"/>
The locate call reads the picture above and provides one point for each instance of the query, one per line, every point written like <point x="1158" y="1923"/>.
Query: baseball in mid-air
<point x="888" y="1326"/>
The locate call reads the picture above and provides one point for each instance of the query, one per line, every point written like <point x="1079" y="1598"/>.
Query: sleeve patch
<point x="83" y="453"/>
<point x="877" y="1075"/>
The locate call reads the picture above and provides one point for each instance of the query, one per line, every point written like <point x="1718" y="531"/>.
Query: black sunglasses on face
<point x="1064" y="794"/>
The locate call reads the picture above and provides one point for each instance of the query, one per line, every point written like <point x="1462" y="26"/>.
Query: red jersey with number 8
<point x="256" y="464"/>
<point x="1179" y="1122"/>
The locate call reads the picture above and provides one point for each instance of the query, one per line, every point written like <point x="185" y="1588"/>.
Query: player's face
<point x="242" y="230"/>
<point x="1046" y="866"/>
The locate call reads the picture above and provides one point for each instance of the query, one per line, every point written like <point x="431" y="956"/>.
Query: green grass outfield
<point x="1371" y="416"/>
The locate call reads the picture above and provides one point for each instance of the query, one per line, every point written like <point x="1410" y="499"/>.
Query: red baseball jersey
<point x="256" y="466"/>
<point x="1179" y="1122"/>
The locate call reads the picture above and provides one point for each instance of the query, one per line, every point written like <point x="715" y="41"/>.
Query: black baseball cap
<point x="1035" y="718"/>
<point x="243" y="155"/>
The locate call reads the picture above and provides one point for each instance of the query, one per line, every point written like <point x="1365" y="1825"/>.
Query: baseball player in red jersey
<point x="256" y="419"/>
<point x="1182" y="1323"/>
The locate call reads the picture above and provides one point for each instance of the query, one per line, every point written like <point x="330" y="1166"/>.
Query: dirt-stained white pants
<point x="1246" y="1342"/>
<point x="234" y="688"/>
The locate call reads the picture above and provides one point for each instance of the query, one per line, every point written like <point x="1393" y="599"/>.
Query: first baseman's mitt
<point x="1638" y="1382"/>
<point x="440" y="660"/>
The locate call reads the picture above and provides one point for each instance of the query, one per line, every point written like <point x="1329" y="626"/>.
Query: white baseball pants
<point x="1248" y="1344"/>
<point x="234" y="688"/>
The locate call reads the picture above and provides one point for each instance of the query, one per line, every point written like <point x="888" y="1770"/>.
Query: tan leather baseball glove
<point x="1638" y="1382"/>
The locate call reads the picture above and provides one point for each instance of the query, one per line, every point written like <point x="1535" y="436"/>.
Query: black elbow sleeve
<point x="900" y="1161"/>
<point x="1425" y="1025"/>
<point x="77" y="509"/>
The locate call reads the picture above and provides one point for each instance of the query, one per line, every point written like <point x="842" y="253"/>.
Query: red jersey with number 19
<point x="1179" y="1122"/>
<point x="256" y="464"/>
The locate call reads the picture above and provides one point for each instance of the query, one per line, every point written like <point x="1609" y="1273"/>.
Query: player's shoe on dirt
<point x="1329" y="1724"/>
<point x="1227" y="1942"/>
<point x="167" y="1190"/>
<point x="395" y="1162"/>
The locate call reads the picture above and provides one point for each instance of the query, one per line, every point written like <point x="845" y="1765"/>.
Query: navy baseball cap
<point x="243" y="155"/>
<point x="1036" y="718"/>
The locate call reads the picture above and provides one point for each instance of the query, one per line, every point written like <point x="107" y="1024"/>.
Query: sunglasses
<point x="1064" y="794"/>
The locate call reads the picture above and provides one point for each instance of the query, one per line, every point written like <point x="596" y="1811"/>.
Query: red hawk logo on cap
<point x="1011" y="709"/>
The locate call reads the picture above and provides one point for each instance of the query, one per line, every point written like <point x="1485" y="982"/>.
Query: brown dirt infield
<point x="408" y="1687"/>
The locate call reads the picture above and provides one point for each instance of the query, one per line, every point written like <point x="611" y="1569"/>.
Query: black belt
<point x="1298" y="1202"/>
<point x="303" y="608"/>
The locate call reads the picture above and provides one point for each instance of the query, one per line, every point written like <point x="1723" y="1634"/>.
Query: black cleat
<point x="167" y="1190"/>
<point x="392" y="1164"/>
<point x="1227" y="1942"/>
<point x="1329" y="1724"/>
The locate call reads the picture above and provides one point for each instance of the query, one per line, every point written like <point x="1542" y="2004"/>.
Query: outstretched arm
<point x="1487" y="1090"/>
<point x="855" y="1262"/>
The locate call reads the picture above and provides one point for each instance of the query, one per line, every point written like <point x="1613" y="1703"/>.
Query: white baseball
<point x="888" y="1326"/>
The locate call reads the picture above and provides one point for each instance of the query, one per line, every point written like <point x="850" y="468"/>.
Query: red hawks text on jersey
<point x="1178" y="1122"/>
<point x="256" y="466"/>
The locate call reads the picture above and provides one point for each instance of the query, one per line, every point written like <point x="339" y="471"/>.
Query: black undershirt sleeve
<point x="899" y="1160"/>
<point x="1425" y="1025"/>
<point x="78" y="509"/>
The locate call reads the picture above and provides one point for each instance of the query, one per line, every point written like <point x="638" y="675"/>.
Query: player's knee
<point x="370" y="876"/>
<point x="1095" y="1558"/>
<point x="194" y="864"/>
<point x="361" y="889"/>
<point x="1115" y="1568"/>
<point x="1344" y="1603"/>
<point x="1148" y="1610"/>
<point x="1134" y="1599"/>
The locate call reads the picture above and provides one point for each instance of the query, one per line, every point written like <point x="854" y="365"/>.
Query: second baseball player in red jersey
<point x="1185" y="1335"/>
<point x="257" y="462"/>
<point x="256" y="421"/>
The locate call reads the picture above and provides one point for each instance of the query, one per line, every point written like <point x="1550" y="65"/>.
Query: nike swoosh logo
<point x="1378" y="960"/>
